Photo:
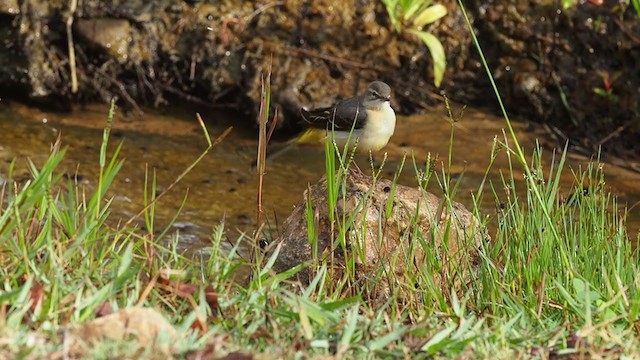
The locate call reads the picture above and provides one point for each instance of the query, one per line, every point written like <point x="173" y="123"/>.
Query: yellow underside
<point x="312" y="136"/>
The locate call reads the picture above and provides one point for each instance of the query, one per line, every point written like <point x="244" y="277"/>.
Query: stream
<point x="223" y="186"/>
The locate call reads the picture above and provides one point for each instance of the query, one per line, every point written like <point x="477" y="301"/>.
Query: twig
<point x="616" y="132"/>
<point x="263" y="141"/>
<point x="261" y="9"/>
<point x="193" y="98"/>
<point x="73" y="5"/>
<point x="242" y="23"/>
<point x="120" y="86"/>
<point x="541" y="291"/>
<point x="630" y="35"/>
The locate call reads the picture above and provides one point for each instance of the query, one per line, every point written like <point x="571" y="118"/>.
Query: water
<point x="223" y="186"/>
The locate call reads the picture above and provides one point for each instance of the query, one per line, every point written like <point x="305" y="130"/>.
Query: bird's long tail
<point x="310" y="136"/>
<point x="278" y="149"/>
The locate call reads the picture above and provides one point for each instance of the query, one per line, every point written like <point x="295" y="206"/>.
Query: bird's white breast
<point x="381" y="123"/>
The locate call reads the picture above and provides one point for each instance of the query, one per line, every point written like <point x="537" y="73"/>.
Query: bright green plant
<point x="607" y="93"/>
<point x="566" y="4"/>
<point x="412" y="16"/>
<point x="636" y="5"/>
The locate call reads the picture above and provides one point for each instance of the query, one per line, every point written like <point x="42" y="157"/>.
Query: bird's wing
<point x="338" y="117"/>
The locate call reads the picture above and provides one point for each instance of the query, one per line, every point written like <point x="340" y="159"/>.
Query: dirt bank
<point x="575" y="69"/>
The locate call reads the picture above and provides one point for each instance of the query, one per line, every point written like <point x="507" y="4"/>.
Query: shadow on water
<point x="223" y="185"/>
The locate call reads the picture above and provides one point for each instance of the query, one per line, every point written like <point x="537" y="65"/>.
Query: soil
<point x="577" y="70"/>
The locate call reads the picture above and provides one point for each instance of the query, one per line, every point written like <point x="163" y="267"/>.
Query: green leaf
<point x="322" y="344"/>
<point x="583" y="290"/>
<point x="412" y="8"/>
<point x="265" y="269"/>
<point x="276" y="279"/>
<point x="350" y="329"/>
<point x="341" y="304"/>
<point x="566" y="4"/>
<point x="636" y="5"/>
<point x="437" y="54"/>
<point x="381" y="342"/>
<point x="568" y="298"/>
<point x="600" y="91"/>
<point x="439" y="340"/>
<point x="405" y="4"/>
<point x="126" y="259"/>
<point x="429" y="15"/>
<point x="392" y="10"/>
<point x="580" y="287"/>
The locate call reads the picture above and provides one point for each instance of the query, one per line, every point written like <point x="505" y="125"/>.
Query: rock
<point x="111" y="35"/>
<point x="398" y="231"/>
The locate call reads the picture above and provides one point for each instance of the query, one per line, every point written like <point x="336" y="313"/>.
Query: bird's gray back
<point x="341" y="116"/>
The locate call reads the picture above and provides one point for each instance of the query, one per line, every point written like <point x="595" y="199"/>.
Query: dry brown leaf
<point x="209" y="352"/>
<point x="238" y="356"/>
<point x="179" y="288"/>
<point x="104" y="309"/>
<point x="36" y="294"/>
<point x="212" y="299"/>
<point x="145" y="326"/>
<point x="200" y="325"/>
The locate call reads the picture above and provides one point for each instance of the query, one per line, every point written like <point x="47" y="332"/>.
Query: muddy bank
<point x="576" y="69"/>
<point x="155" y="52"/>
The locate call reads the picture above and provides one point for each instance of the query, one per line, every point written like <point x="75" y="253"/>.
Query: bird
<point x="366" y="121"/>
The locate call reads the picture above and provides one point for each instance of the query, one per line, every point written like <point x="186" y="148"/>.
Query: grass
<point x="572" y="288"/>
<point x="560" y="275"/>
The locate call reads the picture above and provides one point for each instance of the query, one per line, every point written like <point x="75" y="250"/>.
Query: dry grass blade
<point x="263" y="140"/>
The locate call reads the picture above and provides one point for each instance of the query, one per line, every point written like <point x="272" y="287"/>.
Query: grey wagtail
<point x="367" y="121"/>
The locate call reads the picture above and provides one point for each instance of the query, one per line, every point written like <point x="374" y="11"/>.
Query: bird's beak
<point x="388" y="98"/>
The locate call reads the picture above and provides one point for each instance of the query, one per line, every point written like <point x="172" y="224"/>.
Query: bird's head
<point x="377" y="92"/>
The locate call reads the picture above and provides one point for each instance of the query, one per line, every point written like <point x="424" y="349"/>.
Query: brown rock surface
<point x="416" y="215"/>
<point x="111" y="35"/>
